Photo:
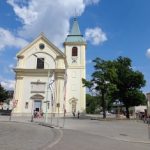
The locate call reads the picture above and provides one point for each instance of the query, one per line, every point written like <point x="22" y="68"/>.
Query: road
<point x="23" y="136"/>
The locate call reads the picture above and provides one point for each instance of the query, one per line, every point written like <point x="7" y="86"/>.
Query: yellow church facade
<point x="49" y="80"/>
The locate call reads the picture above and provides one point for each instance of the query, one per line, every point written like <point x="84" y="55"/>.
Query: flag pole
<point x="64" y="118"/>
<point x="64" y="104"/>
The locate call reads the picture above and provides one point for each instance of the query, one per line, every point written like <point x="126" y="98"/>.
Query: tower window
<point x="40" y="63"/>
<point x="74" y="51"/>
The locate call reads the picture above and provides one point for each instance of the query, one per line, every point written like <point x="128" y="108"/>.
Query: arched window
<point x="40" y="63"/>
<point x="74" y="51"/>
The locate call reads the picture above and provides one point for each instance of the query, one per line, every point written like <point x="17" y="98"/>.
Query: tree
<point x="3" y="94"/>
<point x="116" y="79"/>
<point x="128" y="83"/>
<point x="91" y="104"/>
<point x="101" y="83"/>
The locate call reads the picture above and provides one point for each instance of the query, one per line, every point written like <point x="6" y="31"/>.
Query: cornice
<point x="75" y="43"/>
<point x="76" y="67"/>
<point x="20" y="56"/>
<point x="37" y="72"/>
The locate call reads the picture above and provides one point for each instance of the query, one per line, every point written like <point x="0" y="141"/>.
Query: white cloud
<point x="50" y="17"/>
<point x="8" y="84"/>
<point x="87" y="2"/>
<point x="8" y="39"/>
<point x="11" y="66"/>
<point x="25" y="12"/>
<point x="148" y="53"/>
<point x="96" y="36"/>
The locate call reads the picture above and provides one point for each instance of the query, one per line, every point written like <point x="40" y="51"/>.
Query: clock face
<point x="74" y="59"/>
<point x="41" y="46"/>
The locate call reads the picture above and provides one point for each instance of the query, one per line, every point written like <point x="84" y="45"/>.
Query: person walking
<point x="78" y="114"/>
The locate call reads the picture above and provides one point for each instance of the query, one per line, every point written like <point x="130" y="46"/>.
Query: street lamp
<point x="52" y="100"/>
<point x="49" y="86"/>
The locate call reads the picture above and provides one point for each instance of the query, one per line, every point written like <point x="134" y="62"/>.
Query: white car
<point x="107" y="113"/>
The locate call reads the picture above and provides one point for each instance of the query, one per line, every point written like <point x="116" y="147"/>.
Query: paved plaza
<point x="23" y="136"/>
<point x="79" y="134"/>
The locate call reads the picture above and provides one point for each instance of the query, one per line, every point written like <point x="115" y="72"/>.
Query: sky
<point x="112" y="28"/>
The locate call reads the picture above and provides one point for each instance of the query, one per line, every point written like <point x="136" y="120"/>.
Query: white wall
<point x="28" y="61"/>
<point x="75" y="72"/>
<point x="31" y="61"/>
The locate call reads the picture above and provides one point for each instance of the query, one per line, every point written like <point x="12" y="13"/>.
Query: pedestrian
<point x="35" y="114"/>
<point x="78" y="114"/>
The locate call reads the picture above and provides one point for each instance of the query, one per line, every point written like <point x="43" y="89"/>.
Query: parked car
<point x="107" y="113"/>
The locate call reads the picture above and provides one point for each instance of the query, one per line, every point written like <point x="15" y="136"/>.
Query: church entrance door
<point x="37" y="105"/>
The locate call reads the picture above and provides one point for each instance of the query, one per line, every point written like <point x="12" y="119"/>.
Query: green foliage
<point x="3" y="94"/>
<point x="113" y="80"/>
<point x="91" y="104"/>
<point x="129" y="83"/>
<point x="101" y="84"/>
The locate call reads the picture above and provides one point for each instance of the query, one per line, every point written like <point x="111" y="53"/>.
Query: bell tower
<point x="75" y="50"/>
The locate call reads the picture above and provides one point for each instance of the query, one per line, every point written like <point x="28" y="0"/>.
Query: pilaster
<point x="18" y="94"/>
<point x="59" y="83"/>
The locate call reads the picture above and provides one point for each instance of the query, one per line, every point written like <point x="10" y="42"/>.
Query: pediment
<point x="42" y="38"/>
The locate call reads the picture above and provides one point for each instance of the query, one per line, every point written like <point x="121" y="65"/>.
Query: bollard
<point x="32" y="118"/>
<point x="149" y="131"/>
<point x="148" y="122"/>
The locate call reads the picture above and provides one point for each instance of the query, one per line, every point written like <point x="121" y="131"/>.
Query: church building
<point x="49" y="80"/>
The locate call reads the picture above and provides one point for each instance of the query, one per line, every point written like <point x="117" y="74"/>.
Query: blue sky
<point x="112" y="28"/>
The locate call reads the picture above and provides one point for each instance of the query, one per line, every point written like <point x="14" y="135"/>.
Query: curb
<point x="56" y="141"/>
<point x="45" y="125"/>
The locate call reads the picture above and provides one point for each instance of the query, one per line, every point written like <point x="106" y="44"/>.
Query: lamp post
<point x="49" y="84"/>
<point x="46" y="114"/>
